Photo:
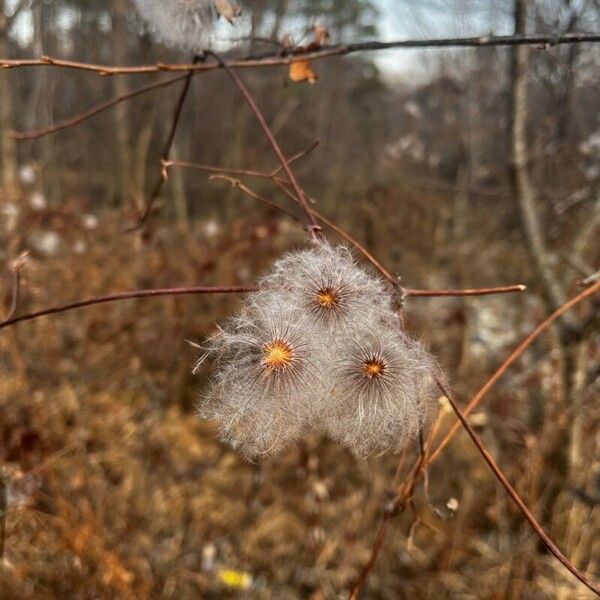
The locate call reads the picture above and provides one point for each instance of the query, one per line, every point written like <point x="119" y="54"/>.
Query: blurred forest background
<point x="113" y="488"/>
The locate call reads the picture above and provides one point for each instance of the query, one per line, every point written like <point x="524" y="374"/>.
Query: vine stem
<point x="510" y="490"/>
<point x="421" y="465"/>
<point x="95" y="110"/>
<point x="150" y="293"/>
<point x="288" y="56"/>
<point x="314" y="227"/>
<point x="515" y="354"/>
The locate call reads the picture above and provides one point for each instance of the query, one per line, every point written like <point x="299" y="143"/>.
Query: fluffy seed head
<point x="381" y="392"/>
<point x="180" y="24"/>
<point x="262" y="392"/>
<point x="328" y="285"/>
<point x="318" y="345"/>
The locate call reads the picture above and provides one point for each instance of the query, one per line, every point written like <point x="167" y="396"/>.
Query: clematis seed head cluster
<point x="318" y="346"/>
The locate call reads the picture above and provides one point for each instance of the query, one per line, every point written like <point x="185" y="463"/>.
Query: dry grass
<point x="116" y="489"/>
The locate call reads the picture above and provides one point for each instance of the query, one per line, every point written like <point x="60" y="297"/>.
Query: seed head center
<point x="373" y="368"/>
<point x="327" y="298"/>
<point x="277" y="354"/>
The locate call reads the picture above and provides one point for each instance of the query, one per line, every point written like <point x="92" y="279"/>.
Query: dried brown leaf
<point x="228" y="10"/>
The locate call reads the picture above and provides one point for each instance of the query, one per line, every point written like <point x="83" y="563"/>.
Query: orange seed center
<point x="277" y="354"/>
<point x="327" y="298"/>
<point x="373" y="368"/>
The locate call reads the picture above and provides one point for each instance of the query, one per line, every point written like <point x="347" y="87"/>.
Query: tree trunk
<point x="121" y="110"/>
<point x="520" y="178"/>
<point x="8" y="146"/>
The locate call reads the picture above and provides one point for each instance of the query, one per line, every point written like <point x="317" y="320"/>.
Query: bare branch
<point x="92" y="112"/>
<point x="314" y="227"/>
<point x="516" y="353"/>
<point x="151" y="293"/>
<point x="167" y="148"/>
<point x="468" y="292"/>
<point x="535" y="525"/>
<point x="289" y="55"/>
<point x="421" y="464"/>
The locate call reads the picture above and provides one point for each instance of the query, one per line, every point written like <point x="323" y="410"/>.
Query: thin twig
<point x="236" y="183"/>
<point x="290" y="55"/>
<point x="509" y="361"/>
<point x="96" y="110"/>
<point x="375" y="551"/>
<point x="314" y="227"/>
<point x="151" y="293"/>
<point x="344" y="234"/>
<point x="421" y="465"/>
<point x="167" y="164"/>
<point x="167" y="148"/>
<point x="508" y="289"/>
<point x="535" y="525"/>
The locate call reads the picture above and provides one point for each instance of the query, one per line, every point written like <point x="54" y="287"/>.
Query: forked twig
<point x="421" y="464"/>
<point x="535" y="525"/>
<point x="515" y="354"/>
<point x="314" y="227"/>
<point x="96" y="110"/>
<point x="236" y="183"/>
<point x="150" y="293"/>
<point x="167" y="147"/>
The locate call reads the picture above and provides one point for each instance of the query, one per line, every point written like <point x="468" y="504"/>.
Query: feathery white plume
<point x="182" y="24"/>
<point x="382" y="391"/>
<point x="329" y="287"/>
<point x="318" y="346"/>
<point x="263" y="391"/>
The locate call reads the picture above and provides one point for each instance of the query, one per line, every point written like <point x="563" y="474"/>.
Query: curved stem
<point x="151" y="293"/>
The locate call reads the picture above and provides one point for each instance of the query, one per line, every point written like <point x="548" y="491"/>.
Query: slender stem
<point x="535" y="525"/>
<point x="508" y="289"/>
<point x="509" y="361"/>
<point x="236" y="183"/>
<point x="96" y="110"/>
<point x="127" y="296"/>
<point x="314" y="227"/>
<point x="168" y="145"/>
<point x="421" y="465"/>
<point x="300" y="53"/>
<point x="375" y="551"/>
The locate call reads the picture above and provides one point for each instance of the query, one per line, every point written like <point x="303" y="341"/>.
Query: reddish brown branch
<point x="535" y="525"/>
<point x="516" y="353"/>
<point x="314" y="227"/>
<point x="96" y="110"/>
<point x="167" y="164"/>
<point x="469" y="292"/>
<point x="152" y="293"/>
<point x="345" y="235"/>
<point x="295" y="54"/>
<point x="236" y="183"/>
<point x="421" y="464"/>
<point x="375" y="551"/>
<point x="167" y="147"/>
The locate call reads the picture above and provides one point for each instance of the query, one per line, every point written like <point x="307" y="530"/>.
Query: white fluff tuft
<point x="181" y="24"/>
<point x="382" y="391"/>
<point x="318" y="346"/>
<point x="329" y="287"/>
<point x="264" y="388"/>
